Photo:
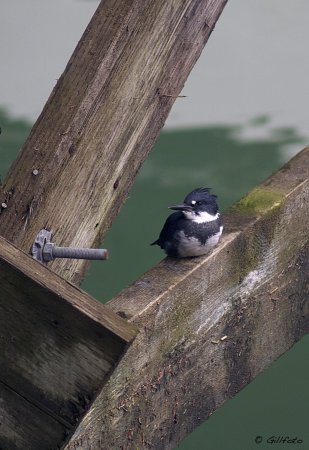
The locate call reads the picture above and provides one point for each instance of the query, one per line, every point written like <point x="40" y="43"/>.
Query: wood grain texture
<point x="57" y="345"/>
<point x="209" y="325"/>
<point x="22" y="427"/>
<point x="101" y="121"/>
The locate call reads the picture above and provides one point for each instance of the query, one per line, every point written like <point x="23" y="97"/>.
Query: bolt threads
<point x="79" y="253"/>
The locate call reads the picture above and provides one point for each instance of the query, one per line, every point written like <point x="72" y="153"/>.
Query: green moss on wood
<point x="246" y="256"/>
<point x="251" y="247"/>
<point x="258" y="201"/>
<point x="179" y="324"/>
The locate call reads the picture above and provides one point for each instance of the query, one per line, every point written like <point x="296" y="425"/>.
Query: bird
<point x="194" y="229"/>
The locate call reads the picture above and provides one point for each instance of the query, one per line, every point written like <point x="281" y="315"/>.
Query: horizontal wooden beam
<point x="57" y="345"/>
<point x="209" y="325"/>
<point x="76" y="168"/>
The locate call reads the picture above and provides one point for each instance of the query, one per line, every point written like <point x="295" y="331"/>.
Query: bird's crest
<point x="200" y="192"/>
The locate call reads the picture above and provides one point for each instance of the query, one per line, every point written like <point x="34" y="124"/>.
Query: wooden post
<point x="209" y="325"/>
<point x="77" y="166"/>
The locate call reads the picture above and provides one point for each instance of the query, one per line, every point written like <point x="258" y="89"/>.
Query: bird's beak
<point x="182" y="207"/>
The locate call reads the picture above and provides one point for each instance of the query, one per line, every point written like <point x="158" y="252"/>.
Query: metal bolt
<point x="44" y="251"/>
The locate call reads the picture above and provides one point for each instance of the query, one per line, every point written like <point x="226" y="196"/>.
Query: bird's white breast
<point x="201" y="217"/>
<point x="190" y="246"/>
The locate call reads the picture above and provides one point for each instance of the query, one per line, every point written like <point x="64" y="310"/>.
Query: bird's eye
<point x="199" y="203"/>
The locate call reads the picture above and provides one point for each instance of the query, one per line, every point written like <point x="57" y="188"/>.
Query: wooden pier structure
<point x="147" y="368"/>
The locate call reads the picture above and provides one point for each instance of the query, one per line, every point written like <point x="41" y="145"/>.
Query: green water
<point x="276" y="403"/>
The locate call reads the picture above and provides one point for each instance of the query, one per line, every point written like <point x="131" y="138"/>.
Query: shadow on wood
<point x="209" y="325"/>
<point x="57" y="344"/>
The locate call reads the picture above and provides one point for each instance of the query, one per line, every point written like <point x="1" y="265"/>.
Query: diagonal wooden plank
<point x="57" y="346"/>
<point x="101" y="121"/>
<point x="209" y="325"/>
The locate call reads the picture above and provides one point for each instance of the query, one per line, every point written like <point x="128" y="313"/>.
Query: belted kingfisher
<point x="194" y="229"/>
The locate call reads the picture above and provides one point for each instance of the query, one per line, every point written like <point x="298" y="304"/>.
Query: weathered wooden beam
<point x="101" y="121"/>
<point x="57" y="345"/>
<point x="209" y="325"/>
<point x="25" y="426"/>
